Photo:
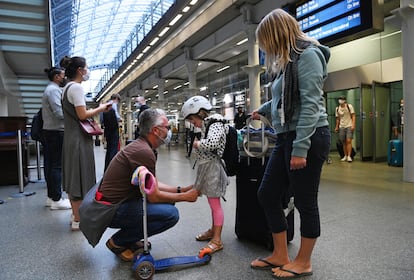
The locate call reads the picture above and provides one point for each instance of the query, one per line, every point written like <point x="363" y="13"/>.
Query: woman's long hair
<point x="277" y="36"/>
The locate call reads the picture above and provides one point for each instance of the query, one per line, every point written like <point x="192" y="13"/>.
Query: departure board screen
<point x="336" y="21"/>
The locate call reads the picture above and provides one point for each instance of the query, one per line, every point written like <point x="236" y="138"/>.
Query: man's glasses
<point x="165" y="126"/>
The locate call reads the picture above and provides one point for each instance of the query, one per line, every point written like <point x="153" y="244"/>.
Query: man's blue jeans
<point x="53" y="163"/>
<point x="129" y="218"/>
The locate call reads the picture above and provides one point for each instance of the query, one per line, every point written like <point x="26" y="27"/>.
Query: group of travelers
<point x="297" y="112"/>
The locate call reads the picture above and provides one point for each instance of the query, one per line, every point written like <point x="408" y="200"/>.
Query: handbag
<point x="91" y="127"/>
<point x="95" y="215"/>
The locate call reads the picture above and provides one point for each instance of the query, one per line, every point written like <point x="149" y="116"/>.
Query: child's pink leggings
<point x="216" y="211"/>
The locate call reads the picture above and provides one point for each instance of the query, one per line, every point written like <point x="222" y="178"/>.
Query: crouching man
<point x="116" y="186"/>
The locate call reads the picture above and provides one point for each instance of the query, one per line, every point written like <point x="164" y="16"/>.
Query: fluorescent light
<point x="140" y="55"/>
<point x="203" y="88"/>
<point x="155" y="87"/>
<point x="177" y="87"/>
<point x="186" y="9"/>
<point x="242" y="41"/>
<point x="193" y="2"/>
<point x="223" y="68"/>
<point x="164" y="31"/>
<point x="174" y="21"/>
<point x="154" y="41"/>
<point x="165" y="92"/>
<point x="186" y="83"/>
<point x="146" y="49"/>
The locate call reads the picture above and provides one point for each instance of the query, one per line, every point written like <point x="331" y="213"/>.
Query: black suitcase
<point x="250" y="219"/>
<point x="340" y="148"/>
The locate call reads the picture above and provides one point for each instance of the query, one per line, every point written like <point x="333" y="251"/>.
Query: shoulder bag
<point x="96" y="215"/>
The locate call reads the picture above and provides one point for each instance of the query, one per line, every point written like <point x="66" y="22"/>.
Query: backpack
<point x="37" y="127"/>
<point x="231" y="151"/>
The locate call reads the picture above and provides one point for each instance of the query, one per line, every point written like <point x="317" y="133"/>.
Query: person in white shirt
<point x="345" y="125"/>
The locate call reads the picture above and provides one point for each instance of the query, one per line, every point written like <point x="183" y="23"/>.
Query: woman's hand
<point x="255" y="115"/>
<point x="297" y="163"/>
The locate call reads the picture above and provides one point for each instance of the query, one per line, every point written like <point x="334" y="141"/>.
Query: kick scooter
<point x="144" y="264"/>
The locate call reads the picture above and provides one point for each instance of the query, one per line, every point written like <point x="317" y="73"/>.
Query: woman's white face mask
<point x="86" y="76"/>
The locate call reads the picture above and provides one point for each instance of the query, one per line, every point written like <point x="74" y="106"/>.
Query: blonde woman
<point x="297" y="110"/>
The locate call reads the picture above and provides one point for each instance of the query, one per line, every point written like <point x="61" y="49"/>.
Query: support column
<point x="406" y="13"/>
<point x="253" y="68"/>
<point x="161" y="100"/>
<point x="128" y="122"/>
<point x="191" y="66"/>
<point x="3" y="106"/>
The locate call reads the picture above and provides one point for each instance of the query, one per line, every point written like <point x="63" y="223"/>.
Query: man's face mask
<point x="341" y="101"/>
<point x="167" y="139"/>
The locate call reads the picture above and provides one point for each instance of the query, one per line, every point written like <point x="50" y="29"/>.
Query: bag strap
<point x="67" y="111"/>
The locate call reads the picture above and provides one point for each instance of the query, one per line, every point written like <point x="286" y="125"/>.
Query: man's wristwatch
<point x="178" y="189"/>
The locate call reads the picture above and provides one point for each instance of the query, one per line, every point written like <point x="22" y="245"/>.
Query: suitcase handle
<point x="265" y="142"/>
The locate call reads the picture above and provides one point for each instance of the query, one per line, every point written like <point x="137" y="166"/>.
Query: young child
<point x="211" y="179"/>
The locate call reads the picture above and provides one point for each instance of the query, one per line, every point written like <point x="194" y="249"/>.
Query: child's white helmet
<point x="193" y="106"/>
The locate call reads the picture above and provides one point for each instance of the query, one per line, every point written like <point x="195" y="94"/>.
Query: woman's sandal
<point x="205" y="236"/>
<point x="214" y="246"/>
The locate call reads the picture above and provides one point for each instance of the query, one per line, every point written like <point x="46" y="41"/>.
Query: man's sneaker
<point x="344" y="158"/>
<point x="74" y="226"/>
<point x="62" y="204"/>
<point x="349" y="159"/>
<point x="48" y="202"/>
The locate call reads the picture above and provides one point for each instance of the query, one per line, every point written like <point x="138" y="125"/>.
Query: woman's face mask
<point x="85" y="76"/>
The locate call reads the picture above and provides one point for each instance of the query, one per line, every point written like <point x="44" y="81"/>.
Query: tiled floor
<point x="367" y="216"/>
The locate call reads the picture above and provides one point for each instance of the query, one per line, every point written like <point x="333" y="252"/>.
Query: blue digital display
<point x="335" y="27"/>
<point x="328" y="14"/>
<point x="335" y="21"/>
<point x="311" y="6"/>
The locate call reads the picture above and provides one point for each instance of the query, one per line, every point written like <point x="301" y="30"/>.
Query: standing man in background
<point x="345" y="124"/>
<point x="111" y="120"/>
<point x="142" y="106"/>
<point x="53" y="129"/>
<point x="240" y="118"/>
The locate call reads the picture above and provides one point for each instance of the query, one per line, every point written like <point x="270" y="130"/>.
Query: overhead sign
<point x="336" y="21"/>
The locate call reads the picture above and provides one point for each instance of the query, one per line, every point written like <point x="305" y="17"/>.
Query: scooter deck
<point x="180" y="262"/>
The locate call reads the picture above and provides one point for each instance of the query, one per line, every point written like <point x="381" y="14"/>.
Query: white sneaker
<point x="344" y="158"/>
<point x="349" y="159"/>
<point x="74" y="226"/>
<point x="48" y="202"/>
<point x="62" y="204"/>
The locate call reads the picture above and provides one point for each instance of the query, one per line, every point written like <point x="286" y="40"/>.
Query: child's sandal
<point x="205" y="236"/>
<point x="215" y="245"/>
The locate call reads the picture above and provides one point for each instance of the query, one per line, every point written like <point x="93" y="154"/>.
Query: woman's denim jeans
<point x="279" y="183"/>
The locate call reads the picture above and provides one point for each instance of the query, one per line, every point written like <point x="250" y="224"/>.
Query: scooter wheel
<point x="145" y="270"/>
<point x="203" y="252"/>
